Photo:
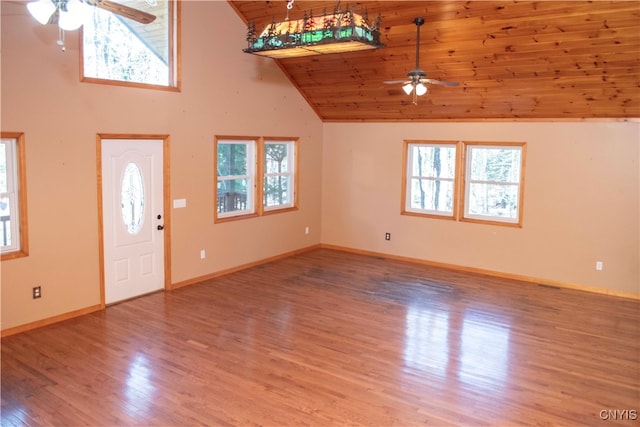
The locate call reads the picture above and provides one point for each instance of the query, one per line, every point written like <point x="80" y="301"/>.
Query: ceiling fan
<point x="70" y="14"/>
<point x="417" y="78"/>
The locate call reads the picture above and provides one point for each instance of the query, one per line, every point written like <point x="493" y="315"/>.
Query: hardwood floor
<point x="331" y="338"/>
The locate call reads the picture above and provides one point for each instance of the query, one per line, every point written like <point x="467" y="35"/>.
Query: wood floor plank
<point x="331" y="338"/>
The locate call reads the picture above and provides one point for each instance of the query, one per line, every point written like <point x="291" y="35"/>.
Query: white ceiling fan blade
<point x="439" y="82"/>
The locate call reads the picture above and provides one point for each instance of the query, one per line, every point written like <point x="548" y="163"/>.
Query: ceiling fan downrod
<point x="419" y="21"/>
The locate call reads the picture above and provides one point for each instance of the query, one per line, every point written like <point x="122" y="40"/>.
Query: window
<point x="236" y="177"/>
<point x="489" y="180"/>
<point x="118" y="49"/>
<point x="13" y="204"/>
<point x="278" y="182"/>
<point x="242" y="182"/>
<point x="493" y="182"/>
<point x="430" y="186"/>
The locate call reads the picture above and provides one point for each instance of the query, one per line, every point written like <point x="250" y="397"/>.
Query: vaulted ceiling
<point x="529" y="60"/>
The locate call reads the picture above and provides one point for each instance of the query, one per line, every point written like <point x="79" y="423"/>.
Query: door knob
<point x="161" y="227"/>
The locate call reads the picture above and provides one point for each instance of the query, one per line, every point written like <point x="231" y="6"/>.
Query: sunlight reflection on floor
<point x="139" y="392"/>
<point x="473" y="347"/>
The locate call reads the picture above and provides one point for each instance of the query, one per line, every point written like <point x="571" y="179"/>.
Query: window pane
<point x="232" y="160"/>
<point x="3" y="169"/>
<point x="12" y="238"/>
<point x="278" y="179"/>
<point x="433" y="161"/>
<point x="430" y="180"/>
<point x="5" y="222"/>
<point x="432" y="195"/>
<point x="232" y="195"/>
<point x="493" y="200"/>
<point x="276" y="158"/>
<point x="493" y="187"/>
<point x="276" y="191"/>
<point x="495" y="164"/>
<point x="120" y="49"/>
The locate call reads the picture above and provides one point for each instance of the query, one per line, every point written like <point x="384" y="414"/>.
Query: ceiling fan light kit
<point x="417" y="78"/>
<point x="72" y="14"/>
<point x="41" y="10"/>
<point x="336" y="32"/>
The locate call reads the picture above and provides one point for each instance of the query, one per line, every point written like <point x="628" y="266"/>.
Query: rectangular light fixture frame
<point x="337" y="32"/>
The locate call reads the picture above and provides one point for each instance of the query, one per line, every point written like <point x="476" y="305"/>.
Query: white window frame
<point x="16" y="194"/>
<point x="250" y="160"/>
<point x="290" y="174"/>
<point x="409" y="146"/>
<point x="174" y="69"/>
<point x="468" y="149"/>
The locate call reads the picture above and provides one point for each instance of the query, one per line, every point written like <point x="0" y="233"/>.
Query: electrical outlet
<point x="306" y="230"/>
<point x="37" y="292"/>
<point x="203" y="254"/>
<point x="387" y="236"/>
<point x="599" y="265"/>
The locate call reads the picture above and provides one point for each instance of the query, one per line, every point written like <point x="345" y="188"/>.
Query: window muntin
<point x="117" y="50"/>
<point x="13" y="209"/>
<point x="493" y="182"/>
<point x="278" y="186"/>
<point x="430" y="180"/>
<point x="235" y="181"/>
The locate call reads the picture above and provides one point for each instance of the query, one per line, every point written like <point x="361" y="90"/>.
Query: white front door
<point x="132" y="217"/>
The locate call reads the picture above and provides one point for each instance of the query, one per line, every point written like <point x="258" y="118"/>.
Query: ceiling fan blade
<point x="417" y="76"/>
<point x="126" y="11"/>
<point x="439" y="82"/>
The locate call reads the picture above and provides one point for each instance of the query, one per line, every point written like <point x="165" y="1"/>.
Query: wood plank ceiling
<point x="529" y="60"/>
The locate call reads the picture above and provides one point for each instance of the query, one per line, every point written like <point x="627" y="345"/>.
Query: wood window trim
<point x="258" y="182"/>
<point x="463" y="183"/>
<point x="294" y="201"/>
<point x="405" y="167"/>
<point x="175" y="57"/>
<point x="21" y="174"/>
<point x="254" y="195"/>
<point x="460" y="181"/>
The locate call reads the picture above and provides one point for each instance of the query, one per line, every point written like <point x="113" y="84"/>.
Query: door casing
<point x="166" y="204"/>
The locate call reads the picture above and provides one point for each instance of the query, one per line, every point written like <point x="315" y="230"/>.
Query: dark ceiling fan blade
<point x="122" y="10"/>
<point x="395" y="82"/>
<point x="439" y="82"/>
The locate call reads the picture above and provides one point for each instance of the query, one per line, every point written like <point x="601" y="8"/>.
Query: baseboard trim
<point x="528" y="279"/>
<point x="77" y="313"/>
<point x="242" y="267"/>
<point x="533" y="280"/>
<point x="50" y="320"/>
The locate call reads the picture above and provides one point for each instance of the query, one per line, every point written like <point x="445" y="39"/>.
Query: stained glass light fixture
<point x="335" y="32"/>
